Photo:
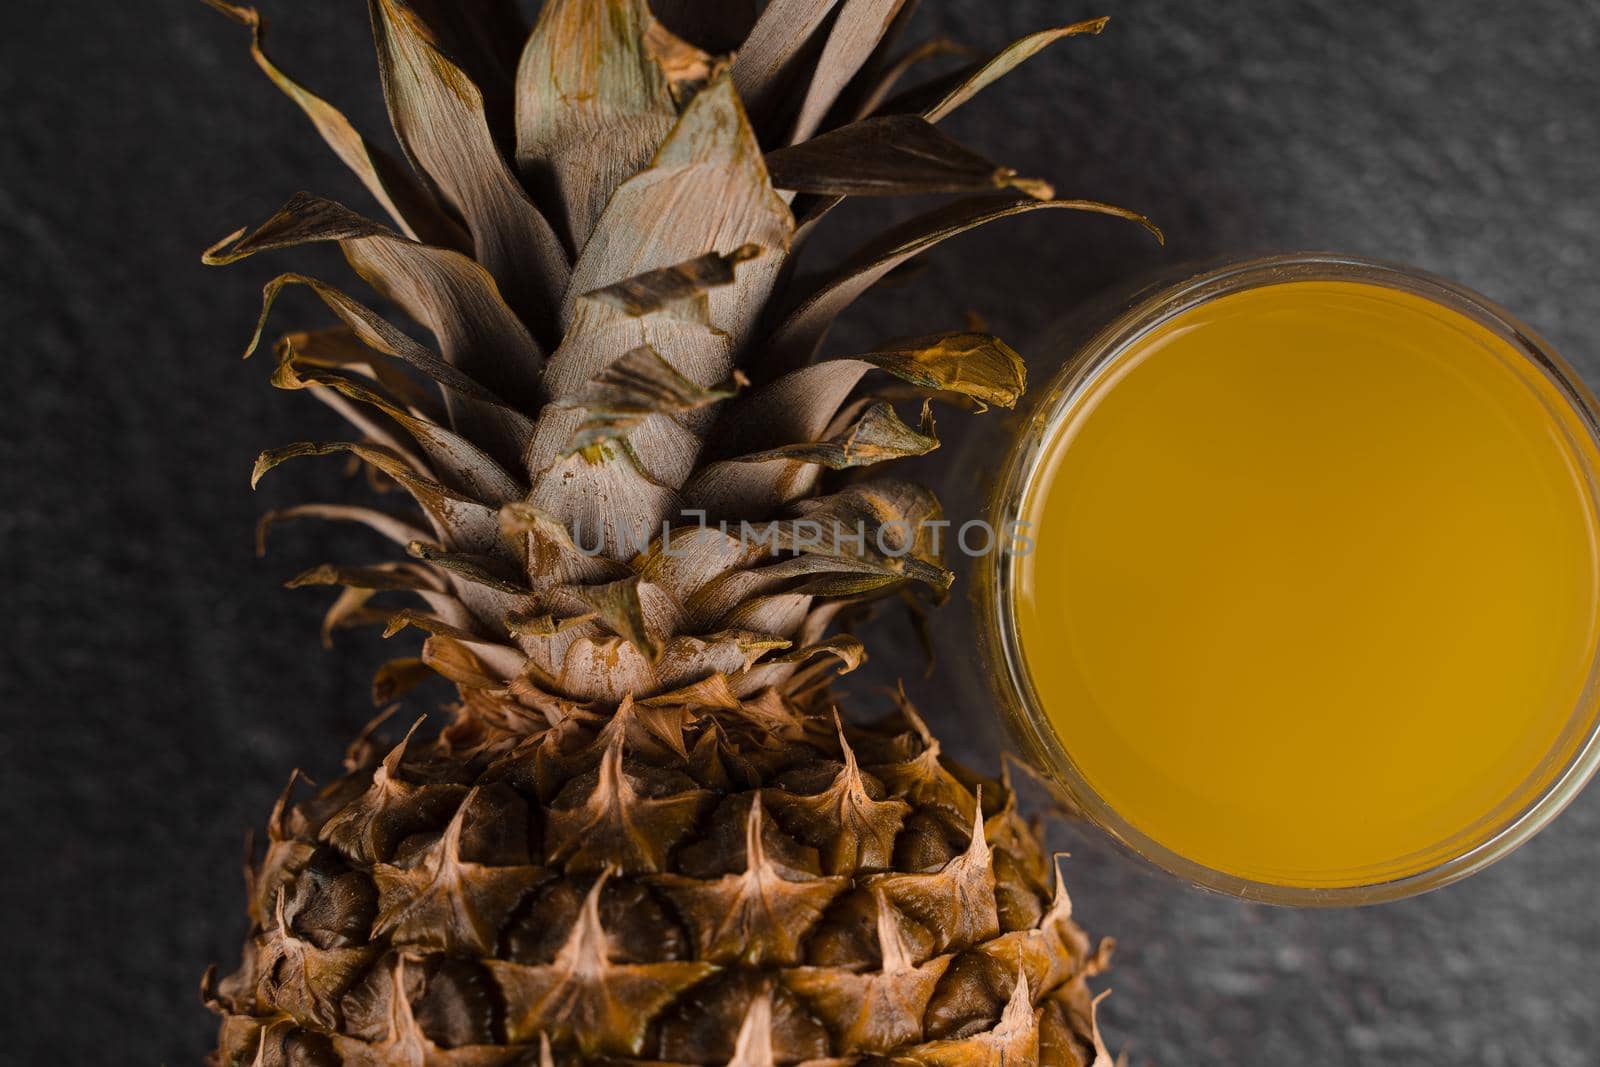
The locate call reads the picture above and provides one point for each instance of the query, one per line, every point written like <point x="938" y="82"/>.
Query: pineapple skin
<point x="647" y="835"/>
<point x="745" y="885"/>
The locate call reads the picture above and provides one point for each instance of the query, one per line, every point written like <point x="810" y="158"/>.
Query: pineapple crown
<point x="597" y="220"/>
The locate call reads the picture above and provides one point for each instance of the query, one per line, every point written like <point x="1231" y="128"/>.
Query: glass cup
<point x="1566" y="768"/>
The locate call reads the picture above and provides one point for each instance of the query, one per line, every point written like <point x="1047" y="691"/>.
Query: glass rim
<point x="1001" y="646"/>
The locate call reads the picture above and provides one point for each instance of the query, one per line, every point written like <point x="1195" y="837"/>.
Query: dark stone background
<point x="158" y="686"/>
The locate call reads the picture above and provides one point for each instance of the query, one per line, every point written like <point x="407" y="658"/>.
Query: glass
<point x="1566" y="768"/>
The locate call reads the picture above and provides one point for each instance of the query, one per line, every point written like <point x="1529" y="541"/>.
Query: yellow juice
<point x="1312" y="598"/>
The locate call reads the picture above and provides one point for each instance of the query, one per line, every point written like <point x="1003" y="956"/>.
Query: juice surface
<point x="1314" y="583"/>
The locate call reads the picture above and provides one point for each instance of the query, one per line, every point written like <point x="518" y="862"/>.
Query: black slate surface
<point x="157" y="686"/>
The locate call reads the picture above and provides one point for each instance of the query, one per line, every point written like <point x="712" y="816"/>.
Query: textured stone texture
<point x="158" y="686"/>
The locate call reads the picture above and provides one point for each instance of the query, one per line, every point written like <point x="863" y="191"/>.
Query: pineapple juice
<point x="1312" y="597"/>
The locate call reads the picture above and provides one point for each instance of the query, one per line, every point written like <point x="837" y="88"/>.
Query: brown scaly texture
<point x="646" y="836"/>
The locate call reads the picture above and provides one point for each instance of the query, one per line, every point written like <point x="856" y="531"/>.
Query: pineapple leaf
<point x="662" y="289"/>
<point x="855" y="34"/>
<point x="455" y="661"/>
<point x="429" y="624"/>
<point x="477" y="569"/>
<point x="467" y="468"/>
<point x="707" y="188"/>
<point x="635" y="387"/>
<point x="338" y="348"/>
<point x="439" y="114"/>
<point x="373" y="331"/>
<point x="800" y="405"/>
<point x="811" y="575"/>
<point x="549" y="554"/>
<point x="970" y="364"/>
<point x="484" y="38"/>
<point x="592" y="107"/>
<point x="441" y="289"/>
<point x="877" y="85"/>
<point x="609" y="502"/>
<point x="398" y="677"/>
<point x="939" y="98"/>
<point x="383" y="577"/>
<point x="796" y="340"/>
<point x="763" y="64"/>
<point x="461" y="521"/>
<point x="892" y="155"/>
<point x="876" y="437"/>
<point x="618" y="608"/>
<point x="413" y="208"/>
<point x="397" y="529"/>
<point x="501" y="429"/>
<point x="544" y="624"/>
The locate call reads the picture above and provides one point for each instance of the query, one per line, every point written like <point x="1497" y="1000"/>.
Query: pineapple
<point x="645" y="833"/>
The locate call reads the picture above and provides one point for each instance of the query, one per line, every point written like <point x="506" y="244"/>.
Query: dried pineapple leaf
<point x="852" y="39"/>
<point x="361" y="584"/>
<point x="877" y="87"/>
<point x="878" y="436"/>
<point x="592" y="107"/>
<point x="970" y="364"/>
<point x="661" y="290"/>
<point x="707" y="188"/>
<point x="397" y="529"/>
<point x="461" y="463"/>
<point x="635" y="387"/>
<point x="544" y="624"/>
<point x="370" y="424"/>
<point x="477" y="569"/>
<point x="608" y="502"/>
<point x="412" y="207"/>
<point x="484" y="38"/>
<point x="797" y="407"/>
<point x="796" y="340"/>
<point x="457" y="663"/>
<point x="729" y="489"/>
<point x="339" y="348"/>
<point x="439" y="288"/>
<point x="901" y="520"/>
<point x="439" y="114"/>
<point x="462" y="522"/>
<point x="728" y="652"/>
<point x="711" y="691"/>
<point x="550" y="555"/>
<point x="388" y="577"/>
<point x="431" y="624"/>
<point x="891" y="155"/>
<point x="970" y="83"/>
<point x="619" y="609"/>
<point x="398" y="677"/>
<point x="775" y="42"/>
<point x="375" y="332"/>
<point x="846" y="649"/>
<point x="937" y="99"/>
<point x="811" y="574"/>
<point x="760" y="481"/>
